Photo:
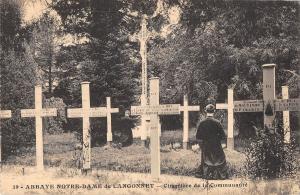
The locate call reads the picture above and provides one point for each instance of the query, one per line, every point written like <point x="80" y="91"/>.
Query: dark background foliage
<point x="215" y="45"/>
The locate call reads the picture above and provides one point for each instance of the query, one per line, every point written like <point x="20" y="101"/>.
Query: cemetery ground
<point x="129" y="165"/>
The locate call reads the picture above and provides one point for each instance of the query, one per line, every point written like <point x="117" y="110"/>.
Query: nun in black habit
<point x="209" y="135"/>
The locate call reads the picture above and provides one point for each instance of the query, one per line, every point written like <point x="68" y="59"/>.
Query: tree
<point x="100" y="53"/>
<point x="17" y="79"/>
<point x="44" y="46"/>
<point x="223" y="44"/>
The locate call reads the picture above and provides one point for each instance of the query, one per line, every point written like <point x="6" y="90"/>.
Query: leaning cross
<point x="186" y="109"/>
<point x="3" y="114"/>
<point x="38" y="113"/>
<point x="154" y="110"/>
<point x="85" y="113"/>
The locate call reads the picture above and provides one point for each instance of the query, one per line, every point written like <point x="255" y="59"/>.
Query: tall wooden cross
<point x="3" y="114"/>
<point x="109" y="110"/>
<point x="186" y="109"/>
<point x="38" y="113"/>
<point x="154" y="110"/>
<point x="230" y="119"/>
<point x="269" y="105"/>
<point x="85" y="113"/>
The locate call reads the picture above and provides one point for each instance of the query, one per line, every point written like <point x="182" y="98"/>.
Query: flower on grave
<point x="195" y="147"/>
<point x="176" y="145"/>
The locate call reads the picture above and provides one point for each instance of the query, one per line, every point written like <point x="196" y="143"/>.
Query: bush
<point x="16" y="92"/>
<point x="268" y="157"/>
<point x="56" y="124"/>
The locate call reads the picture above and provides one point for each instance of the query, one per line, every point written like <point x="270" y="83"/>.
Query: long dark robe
<point x="213" y="162"/>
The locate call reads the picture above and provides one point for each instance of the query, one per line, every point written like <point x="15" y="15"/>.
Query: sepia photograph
<point x="149" y="97"/>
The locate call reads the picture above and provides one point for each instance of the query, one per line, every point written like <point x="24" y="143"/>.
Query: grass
<point x="11" y="176"/>
<point x="59" y="152"/>
<point x="128" y="165"/>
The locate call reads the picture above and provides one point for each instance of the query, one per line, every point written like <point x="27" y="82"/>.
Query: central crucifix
<point x="143" y="36"/>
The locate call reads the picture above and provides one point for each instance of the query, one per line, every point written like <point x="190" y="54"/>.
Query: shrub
<point x="56" y="124"/>
<point x="16" y="92"/>
<point x="269" y="157"/>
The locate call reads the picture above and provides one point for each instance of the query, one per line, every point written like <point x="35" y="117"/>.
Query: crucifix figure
<point x="186" y="109"/>
<point x="269" y="105"/>
<point x="143" y="36"/>
<point x="85" y="113"/>
<point x="38" y="113"/>
<point x="154" y="110"/>
<point x="3" y="114"/>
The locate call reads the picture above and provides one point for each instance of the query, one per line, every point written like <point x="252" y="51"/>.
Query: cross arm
<point x="287" y="104"/>
<point x="102" y="111"/>
<point x="98" y="112"/>
<point x="166" y="109"/>
<point x="75" y="112"/>
<point x="5" y="113"/>
<point x="28" y="113"/>
<point x="189" y="108"/>
<point x="222" y="106"/>
<point x="114" y="110"/>
<point x="249" y="106"/>
<point x="49" y="112"/>
<point x="43" y="112"/>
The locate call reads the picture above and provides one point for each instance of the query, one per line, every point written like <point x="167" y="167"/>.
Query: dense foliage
<point x="17" y="79"/>
<point x="215" y="45"/>
<point x="268" y="157"/>
<point x="223" y="44"/>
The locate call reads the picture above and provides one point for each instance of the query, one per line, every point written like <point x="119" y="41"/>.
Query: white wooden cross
<point x="186" y="109"/>
<point x="38" y="112"/>
<point x="109" y="110"/>
<point x="230" y="118"/>
<point x="85" y="113"/>
<point x="269" y="105"/>
<point x="154" y="110"/>
<point x="286" y="116"/>
<point x="3" y="114"/>
<point x="286" y="105"/>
